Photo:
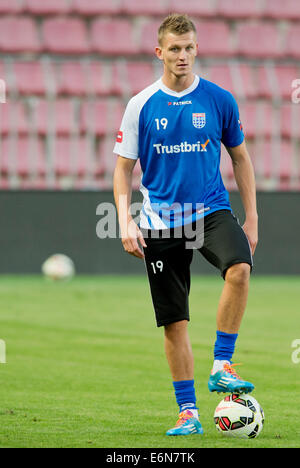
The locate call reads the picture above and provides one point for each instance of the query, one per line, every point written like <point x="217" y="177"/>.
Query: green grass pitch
<point x="86" y="367"/>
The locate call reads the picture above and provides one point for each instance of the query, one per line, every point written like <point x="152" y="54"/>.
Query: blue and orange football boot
<point x="187" y="424"/>
<point x="228" y="381"/>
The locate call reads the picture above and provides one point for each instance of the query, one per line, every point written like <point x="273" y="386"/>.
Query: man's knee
<point x="176" y="328"/>
<point x="238" y="274"/>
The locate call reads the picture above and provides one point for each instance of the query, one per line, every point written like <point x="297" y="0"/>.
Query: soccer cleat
<point x="228" y="381"/>
<point x="187" y="424"/>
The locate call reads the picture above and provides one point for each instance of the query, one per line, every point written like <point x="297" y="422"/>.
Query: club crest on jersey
<point x="199" y="120"/>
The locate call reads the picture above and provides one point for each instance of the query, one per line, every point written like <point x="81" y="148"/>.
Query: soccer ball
<point x="239" y="416"/>
<point x="58" y="267"/>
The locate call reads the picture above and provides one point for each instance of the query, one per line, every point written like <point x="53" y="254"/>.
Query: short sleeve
<point x="232" y="132"/>
<point x="128" y="135"/>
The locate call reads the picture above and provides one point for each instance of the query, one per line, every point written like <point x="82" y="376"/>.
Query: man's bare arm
<point x="130" y="232"/>
<point x="245" y="179"/>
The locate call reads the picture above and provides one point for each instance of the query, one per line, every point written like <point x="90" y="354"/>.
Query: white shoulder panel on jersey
<point x="128" y="136"/>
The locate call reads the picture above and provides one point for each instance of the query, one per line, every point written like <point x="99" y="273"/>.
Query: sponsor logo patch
<point x="199" y="120"/>
<point x="120" y="137"/>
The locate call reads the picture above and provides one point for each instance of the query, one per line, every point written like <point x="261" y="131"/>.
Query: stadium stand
<point x="46" y="7"/>
<point x="236" y="9"/>
<point x="10" y="6"/>
<point x="96" y="7"/>
<point x="29" y="78"/>
<point x="258" y="40"/>
<point x="18" y="34"/>
<point x="289" y="9"/>
<point x="107" y="37"/>
<point x="70" y="67"/>
<point x="65" y="36"/>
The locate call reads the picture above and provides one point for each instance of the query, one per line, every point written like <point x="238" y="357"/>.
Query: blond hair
<point x="176" y="24"/>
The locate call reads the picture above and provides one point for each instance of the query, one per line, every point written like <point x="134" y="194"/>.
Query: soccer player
<point x="176" y="127"/>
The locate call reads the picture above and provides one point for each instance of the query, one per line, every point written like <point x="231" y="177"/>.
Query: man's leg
<point x="226" y="247"/>
<point x="233" y="299"/>
<point x="179" y="351"/>
<point x="181" y="362"/>
<point x="231" y="309"/>
<point x="170" y="286"/>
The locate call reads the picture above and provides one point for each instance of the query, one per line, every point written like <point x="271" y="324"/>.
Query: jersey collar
<point x="186" y="91"/>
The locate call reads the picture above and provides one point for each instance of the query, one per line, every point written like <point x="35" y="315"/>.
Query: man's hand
<point x="132" y="238"/>
<point x="251" y="230"/>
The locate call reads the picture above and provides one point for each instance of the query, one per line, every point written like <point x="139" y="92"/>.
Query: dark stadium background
<point x="70" y="67"/>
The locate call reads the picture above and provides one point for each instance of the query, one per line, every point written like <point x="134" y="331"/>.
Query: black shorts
<point x="168" y="262"/>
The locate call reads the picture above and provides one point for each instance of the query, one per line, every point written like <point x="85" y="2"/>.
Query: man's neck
<point x="178" y="84"/>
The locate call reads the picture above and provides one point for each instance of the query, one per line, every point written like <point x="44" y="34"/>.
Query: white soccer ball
<point x="239" y="416"/>
<point x="58" y="267"/>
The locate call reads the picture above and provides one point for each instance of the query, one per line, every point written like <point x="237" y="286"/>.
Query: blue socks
<point x="185" y="394"/>
<point x="185" y="389"/>
<point x="224" y="346"/>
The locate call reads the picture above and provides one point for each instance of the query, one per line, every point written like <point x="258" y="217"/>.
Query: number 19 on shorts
<point x="157" y="266"/>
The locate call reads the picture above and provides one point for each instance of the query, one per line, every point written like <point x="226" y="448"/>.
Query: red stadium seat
<point x="70" y="156"/>
<point x="107" y="159"/>
<point x="71" y="79"/>
<point x="113" y="37"/>
<point x="148" y="38"/>
<point x="285" y="76"/>
<point x="278" y="9"/>
<point x="236" y="78"/>
<point x="276" y="82"/>
<point x="10" y="6"/>
<point x="237" y="9"/>
<point x="258" y="40"/>
<point x="293" y="40"/>
<point x="285" y="166"/>
<point x="65" y="35"/>
<point x="214" y="39"/>
<point x="258" y="119"/>
<point x="61" y="158"/>
<point x="18" y="34"/>
<point x="93" y="117"/>
<point x="103" y="148"/>
<point x="266" y="82"/>
<point x="96" y="7"/>
<point x="13" y="118"/>
<point x="23" y="157"/>
<point x="264" y="151"/>
<point x="88" y="78"/>
<point x="55" y="117"/>
<point x="46" y="6"/>
<point x="7" y="82"/>
<point x="35" y="183"/>
<point x="136" y="7"/>
<point x="4" y="183"/>
<point x="194" y="7"/>
<point x="101" y="117"/>
<point x="86" y="164"/>
<point x="103" y="79"/>
<point x="29" y="78"/>
<point x="275" y="163"/>
<point x="222" y="76"/>
<point x="139" y="76"/>
<point x="290" y="120"/>
<point x="245" y="84"/>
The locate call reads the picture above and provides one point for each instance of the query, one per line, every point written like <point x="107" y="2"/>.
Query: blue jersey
<point x="177" y="137"/>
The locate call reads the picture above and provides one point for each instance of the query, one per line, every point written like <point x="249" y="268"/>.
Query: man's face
<point x="178" y="53"/>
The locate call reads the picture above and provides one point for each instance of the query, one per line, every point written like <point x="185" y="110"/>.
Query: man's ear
<point x="159" y="52"/>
